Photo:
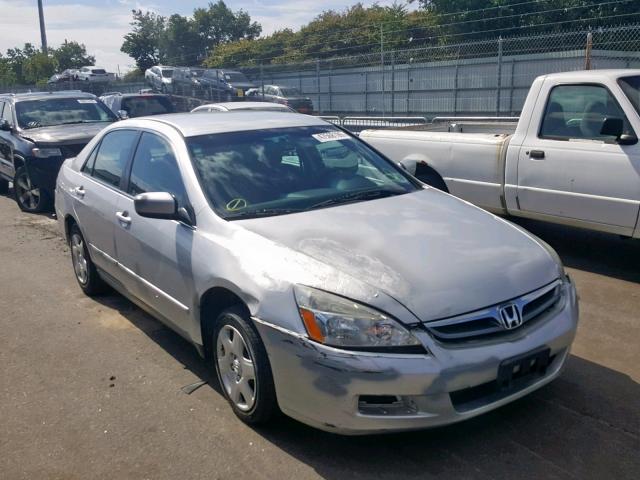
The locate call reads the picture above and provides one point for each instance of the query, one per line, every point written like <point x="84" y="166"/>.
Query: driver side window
<point x="579" y="112"/>
<point x="155" y="169"/>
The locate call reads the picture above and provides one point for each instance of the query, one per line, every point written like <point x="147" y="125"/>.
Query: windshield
<point x="196" y="72"/>
<point x="167" y="73"/>
<point x="290" y="92"/>
<point x="631" y="88"/>
<point x="61" y="111"/>
<point x="147" y="105"/>
<point x="235" y="77"/>
<point x="278" y="171"/>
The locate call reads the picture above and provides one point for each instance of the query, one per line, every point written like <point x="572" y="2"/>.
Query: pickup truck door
<point x="568" y="169"/>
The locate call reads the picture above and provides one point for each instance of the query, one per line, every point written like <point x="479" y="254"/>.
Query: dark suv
<point x="38" y="131"/>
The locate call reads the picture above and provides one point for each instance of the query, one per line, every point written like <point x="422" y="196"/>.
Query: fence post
<point x="499" y="82"/>
<point x="587" y="52"/>
<point x="393" y="82"/>
<point x="455" y="85"/>
<point x="382" y="69"/>
<point x="318" y="82"/>
<point x="262" y="80"/>
<point x="330" y="87"/>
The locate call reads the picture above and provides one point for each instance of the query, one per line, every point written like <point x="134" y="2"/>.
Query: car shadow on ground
<point x="586" y="424"/>
<point x="590" y="251"/>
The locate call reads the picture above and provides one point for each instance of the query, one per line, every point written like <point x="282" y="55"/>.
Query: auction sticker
<point x="330" y="136"/>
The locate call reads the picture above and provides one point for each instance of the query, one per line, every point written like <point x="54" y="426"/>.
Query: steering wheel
<point x="236" y="204"/>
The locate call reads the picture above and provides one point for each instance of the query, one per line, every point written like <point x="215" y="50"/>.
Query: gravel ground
<point x="93" y="388"/>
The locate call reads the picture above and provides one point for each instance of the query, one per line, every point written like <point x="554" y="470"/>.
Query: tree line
<point x="30" y="66"/>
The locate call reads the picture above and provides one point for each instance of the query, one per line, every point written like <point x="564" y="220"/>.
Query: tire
<point x="85" y="271"/>
<point x="4" y="186"/>
<point x="243" y="368"/>
<point x="434" y="180"/>
<point x="28" y="196"/>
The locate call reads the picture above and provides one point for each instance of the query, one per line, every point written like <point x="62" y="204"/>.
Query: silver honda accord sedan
<point x="316" y="276"/>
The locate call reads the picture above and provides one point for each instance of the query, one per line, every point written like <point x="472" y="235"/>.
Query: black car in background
<point x="38" y="131"/>
<point x="237" y="81"/>
<point x="138" y="104"/>
<point x="187" y="81"/>
<point x="290" y="96"/>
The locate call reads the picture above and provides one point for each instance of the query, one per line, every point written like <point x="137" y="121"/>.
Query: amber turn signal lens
<point x="313" y="329"/>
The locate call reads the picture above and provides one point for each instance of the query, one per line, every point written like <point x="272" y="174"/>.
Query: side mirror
<point x="123" y="114"/>
<point x="612" y="127"/>
<point x="627" y="139"/>
<point x="161" y="205"/>
<point x="5" y="126"/>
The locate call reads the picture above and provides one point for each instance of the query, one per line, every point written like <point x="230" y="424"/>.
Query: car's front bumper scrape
<point x="329" y="388"/>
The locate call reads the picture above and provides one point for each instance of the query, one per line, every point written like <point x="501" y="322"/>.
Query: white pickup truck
<point x="574" y="157"/>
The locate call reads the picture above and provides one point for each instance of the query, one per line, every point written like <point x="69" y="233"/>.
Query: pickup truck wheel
<point x="243" y="368"/>
<point x="30" y="197"/>
<point x="4" y="186"/>
<point x="433" y="179"/>
<point x="86" y="273"/>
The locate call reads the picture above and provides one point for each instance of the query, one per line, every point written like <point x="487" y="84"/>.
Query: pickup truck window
<point x="579" y="111"/>
<point x="631" y="88"/>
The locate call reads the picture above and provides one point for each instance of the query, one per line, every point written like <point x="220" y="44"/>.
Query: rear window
<point x="147" y="105"/>
<point x="167" y="73"/>
<point x="235" y="77"/>
<point x="290" y="92"/>
<point x="98" y="70"/>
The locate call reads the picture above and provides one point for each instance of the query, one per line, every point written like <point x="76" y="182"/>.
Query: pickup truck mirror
<point x="5" y="126"/>
<point x="612" y="127"/>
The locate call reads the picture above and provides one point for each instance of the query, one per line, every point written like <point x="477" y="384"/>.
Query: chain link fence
<point x="488" y="77"/>
<point x="482" y="77"/>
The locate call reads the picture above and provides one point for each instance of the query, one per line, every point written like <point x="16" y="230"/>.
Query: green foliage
<point x="182" y="40"/>
<point x="355" y="31"/>
<point x="134" y="75"/>
<point x="7" y="75"/>
<point x="143" y="43"/>
<point x="72" y="55"/>
<point x="38" y="67"/>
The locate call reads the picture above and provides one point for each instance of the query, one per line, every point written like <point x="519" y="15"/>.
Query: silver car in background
<point x="314" y="274"/>
<point x="159" y="78"/>
<point x="236" y="106"/>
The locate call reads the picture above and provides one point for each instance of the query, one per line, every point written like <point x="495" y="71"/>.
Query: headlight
<point x="340" y="322"/>
<point x="46" y="152"/>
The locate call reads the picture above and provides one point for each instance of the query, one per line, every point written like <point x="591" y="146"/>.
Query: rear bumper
<point x="324" y="387"/>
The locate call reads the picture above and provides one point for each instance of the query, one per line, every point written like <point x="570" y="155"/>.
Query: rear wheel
<point x="243" y="367"/>
<point x="86" y="273"/>
<point x="30" y="197"/>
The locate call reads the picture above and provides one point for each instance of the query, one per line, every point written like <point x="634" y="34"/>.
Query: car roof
<point x="44" y="95"/>
<point x="604" y="73"/>
<point x="190" y="125"/>
<point x="231" y="106"/>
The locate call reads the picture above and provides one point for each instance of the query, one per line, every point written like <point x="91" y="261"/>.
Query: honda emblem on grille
<point x="510" y="316"/>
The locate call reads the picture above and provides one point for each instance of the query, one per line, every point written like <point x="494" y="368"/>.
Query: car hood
<point x="433" y="253"/>
<point x="61" y="134"/>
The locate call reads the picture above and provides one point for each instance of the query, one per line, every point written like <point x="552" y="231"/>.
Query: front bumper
<point x="330" y="388"/>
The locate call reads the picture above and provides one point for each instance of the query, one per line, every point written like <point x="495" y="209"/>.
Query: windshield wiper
<point x="355" y="197"/>
<point x="83" y="121"/>
<point x="263" y="212"/>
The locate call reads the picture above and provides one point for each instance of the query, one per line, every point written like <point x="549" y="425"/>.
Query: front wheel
<point x="30" y="197"/>
<point x="243" y="368"/>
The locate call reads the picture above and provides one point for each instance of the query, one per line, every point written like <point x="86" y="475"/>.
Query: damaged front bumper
<point x="358" y="393"/>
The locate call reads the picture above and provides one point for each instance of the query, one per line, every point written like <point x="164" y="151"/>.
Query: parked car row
<point x="87" y="74"/>
<point x="223" y="85"/>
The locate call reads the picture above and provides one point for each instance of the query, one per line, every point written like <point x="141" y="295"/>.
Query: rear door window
<point x="113" y="154"/>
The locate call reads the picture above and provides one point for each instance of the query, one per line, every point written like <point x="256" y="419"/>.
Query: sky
<point x="102" y="24"/>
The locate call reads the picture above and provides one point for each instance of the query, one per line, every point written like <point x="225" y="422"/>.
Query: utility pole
<point x="43" y="33"/>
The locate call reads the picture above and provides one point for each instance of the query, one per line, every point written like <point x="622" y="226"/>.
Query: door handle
<point x="124" y="218"/>
<point x="78" y="192"/>
<point x="537" y="154"/>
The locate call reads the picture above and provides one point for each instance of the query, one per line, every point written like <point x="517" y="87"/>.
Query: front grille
<point x="69" y="151"/>
<point x="486" y="322"/>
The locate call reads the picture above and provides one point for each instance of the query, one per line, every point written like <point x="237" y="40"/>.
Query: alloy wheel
<point x="27" y="193"/>
<point x="236" y="367"/>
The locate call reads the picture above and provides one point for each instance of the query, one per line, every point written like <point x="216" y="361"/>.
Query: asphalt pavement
<point x="94" y="388"/>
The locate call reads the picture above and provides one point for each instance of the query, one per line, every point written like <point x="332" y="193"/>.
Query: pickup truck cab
<point x="573" y="159"/>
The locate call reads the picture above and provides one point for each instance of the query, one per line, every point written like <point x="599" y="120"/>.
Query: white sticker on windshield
<point x="330" y="136"/>
<point x="86" y="100"/>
